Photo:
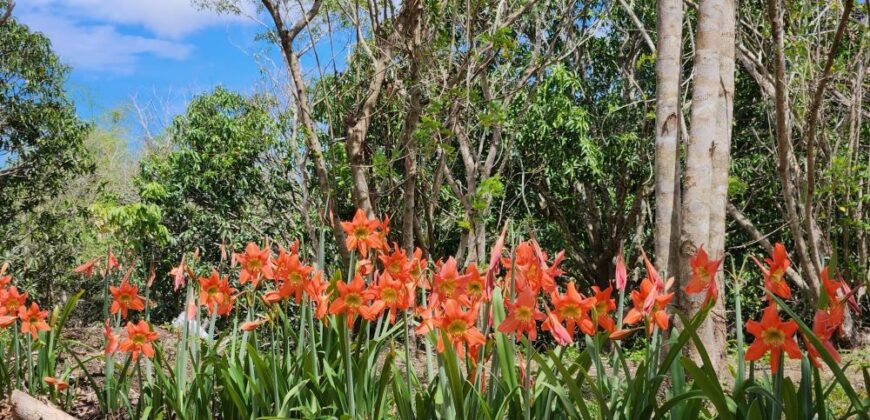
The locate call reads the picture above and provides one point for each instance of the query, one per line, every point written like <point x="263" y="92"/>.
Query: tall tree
<point x="667" y="132"/>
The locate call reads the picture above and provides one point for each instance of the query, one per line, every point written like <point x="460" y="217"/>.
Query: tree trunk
<point x="670" y="35"/>
<point x="707" y="104"/>
<point x="721" y="155"/>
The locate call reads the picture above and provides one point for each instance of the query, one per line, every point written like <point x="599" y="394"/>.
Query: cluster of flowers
<point x="455" y="303"/>
<point x="776" y="336"/>
<point x="125" y="298"/>
<point x="29" y="320"/>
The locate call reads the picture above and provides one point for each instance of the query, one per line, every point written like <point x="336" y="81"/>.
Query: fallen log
<point x="25" y="407"/>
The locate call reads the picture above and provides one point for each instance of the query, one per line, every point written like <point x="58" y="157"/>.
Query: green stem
<point x="348" y="370"/>
<point x="408" y="366"/>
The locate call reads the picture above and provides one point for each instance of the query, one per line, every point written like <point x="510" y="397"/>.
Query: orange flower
<point x="475" y="285"/>
<point x="649" y="304"/>
<point x="315" y="288"/>
<point x="602" y="306"/>
<point x="58" y="384"/>
<point x="126" y="298"/>
<point x="396" y="264"/>
<point x="112" y="343"/>
<point x="457" y="326"/>
<point x="352" y="300"/>
<point x="523" y="316"/>
<point x="448" y="284"/>
<point x="624" y="333"/>
<point x="256" y="264"/>
<point x="177" y="274"/>
<point x="87" y="268"/>
<point x="703" y="276"/>
<point x="362" y="233"/>
<point x="417" y="266"/>
<point x="253" y="325"/>
<point x="772" y="335"/>
<point x="7" y="320"/>
<point x="112" y="262"/>
<point x="32" y="320"/>
<point x="214" y="292"/>
<point x="389" y="293"/>
<point x="531" y="270"/>
<point x="11" y="300"/>
<point x="552" y="324"/>
<point x="292" y="275"/>
<point x="138" y="340"/>
<point x="572" y="309"/>
<point x="823" y="329"/>
<point x="621" y="276"/>
<point x="774" y="274"/>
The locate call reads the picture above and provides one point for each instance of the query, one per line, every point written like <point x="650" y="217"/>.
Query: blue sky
<point x="156" y="50"/>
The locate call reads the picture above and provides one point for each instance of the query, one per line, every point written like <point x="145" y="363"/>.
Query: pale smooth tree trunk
<point x="669" y="47"/>
<point x="721" y="156"/>
<point x="707" y="106"/>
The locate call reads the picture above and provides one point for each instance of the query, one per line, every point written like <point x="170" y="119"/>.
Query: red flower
<point x="572" y="309"/>
<point x="457" y="325"/>
<point x="823" y="329"/>
<point x="215" y="293"/>
<point x="126" y="298"/>
<point x="352" y="300"/>
<point x="649" y="304"/>
<point x="87" y="268"/>
<point x="292" y="275"/>
<point x="602" y="306"/>
<point x="33" y="320"/>
<point x="112" y="343"/>
<point x="772" y="335"/>
<point x="315" y="288"/>
<point x="112" y="263"/>
<point x="523" y="316"/>
<point x="362" y="233"/>
<point x="138" y="340"/>
<point x="703" y="276"/>
<point x="774" y="274"/>
<point x="58" y="384"/>
<point x="448" y="284"/>
<point x="11" y="300"/>
<point x="389" y="293"/>
<point x="256" y="264"/>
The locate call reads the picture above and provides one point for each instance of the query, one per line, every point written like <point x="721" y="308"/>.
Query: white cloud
<point x="102" y="47"/>
<point x="113" y="35"/>
<point x="164" y="18"/>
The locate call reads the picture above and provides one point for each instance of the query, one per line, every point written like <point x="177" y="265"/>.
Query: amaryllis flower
<point x="560" y="334"/>
<point x="58" y="384"/>
<point x="602" y="306"/>
<point x="253" y="325"/>
<point x="457" y="326"/>
<point x="649" y="305"/>
<point x="774" y="273"/>
<point x="112" y="262"/>
<point x="291" y="274"/>
<point x="396" y="264"/>
<point x="32" y="320"/>
<point x="523" y="316"/>
<point x="418" y="266"/>
<point x="447" y="282"/>
<point x="703" y="276"/>
<point x="7" y="320"/>
<point x="177" y="274"/>
<point x="126" y="297"/>
<point x="256" y="264"/>
<point x="112" y="340"/>
<point x="214" y="291"/>
<point x="86" y="269"/>
<point x="572" y="309"/>
<point x="11" y="300"/>
<point x="316" y="288"/>
<point x="475" y="285"/>
<point x="138" y="340"/>
<point x="362" y="233"/>
<point x="389" y="293"/>
<point x="530" y="270"/>
<point x="772" y="335"/>
<point x="823" y="329"/>
<point x="621" y="275"/>
<point x="352" y="300"/>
